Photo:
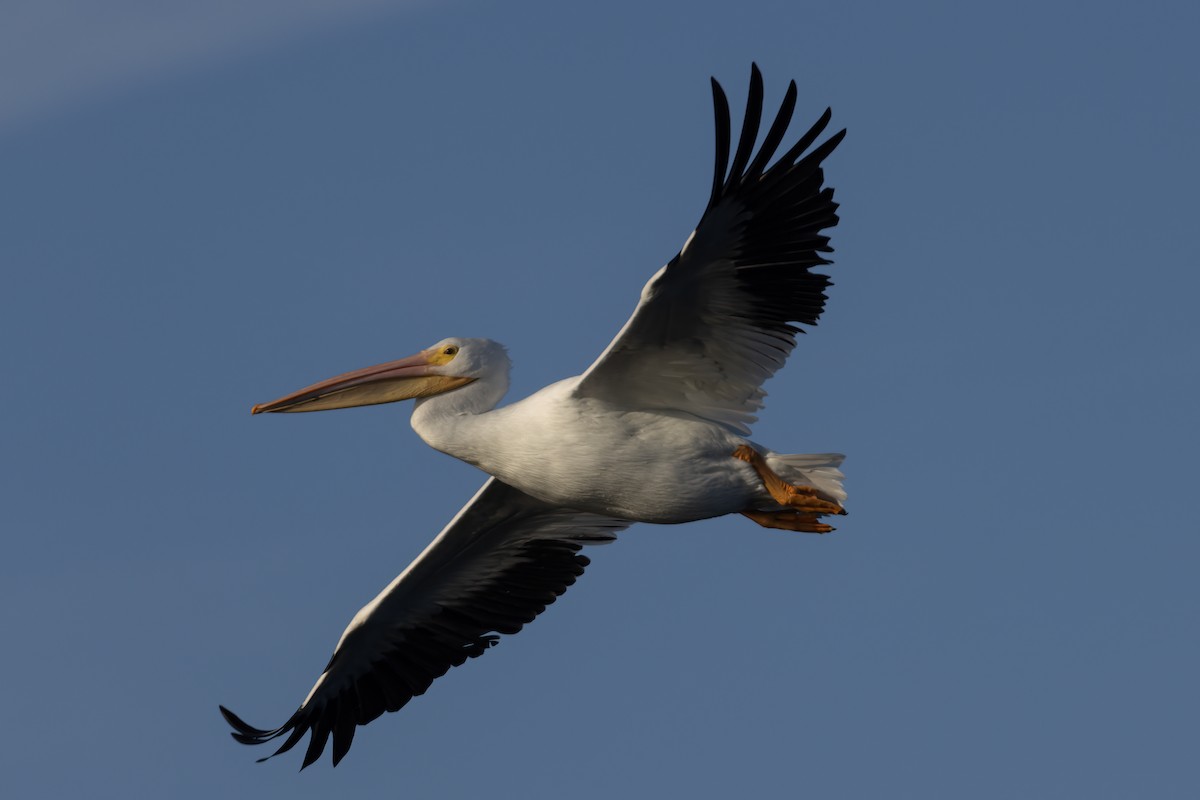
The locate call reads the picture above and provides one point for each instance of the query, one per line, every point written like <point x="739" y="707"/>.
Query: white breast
<point x="594" y="456"/>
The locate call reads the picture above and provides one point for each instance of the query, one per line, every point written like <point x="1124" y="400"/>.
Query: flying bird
<point x="654" y="431"/>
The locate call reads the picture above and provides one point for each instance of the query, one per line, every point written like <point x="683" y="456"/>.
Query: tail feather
<point x="818" y="470"/>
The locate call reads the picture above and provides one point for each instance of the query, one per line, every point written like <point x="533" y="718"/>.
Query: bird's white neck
<point x="449" y="422"/>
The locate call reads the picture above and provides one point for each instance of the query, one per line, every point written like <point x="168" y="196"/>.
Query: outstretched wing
<point x="496" y="566"/>
<point x="716" y="321"/>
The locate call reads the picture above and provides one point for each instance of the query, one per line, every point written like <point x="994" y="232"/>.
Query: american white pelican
<point x="654" y="431"/>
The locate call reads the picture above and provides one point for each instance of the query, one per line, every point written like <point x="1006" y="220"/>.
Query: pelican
<point x="654" y="431"/>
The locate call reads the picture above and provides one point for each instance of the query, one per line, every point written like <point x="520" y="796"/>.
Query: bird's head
<point x="448" y="365"/>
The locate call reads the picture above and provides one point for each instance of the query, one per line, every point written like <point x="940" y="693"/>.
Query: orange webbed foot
<point x="787" y="520"/>
<point x="804" y="499"/>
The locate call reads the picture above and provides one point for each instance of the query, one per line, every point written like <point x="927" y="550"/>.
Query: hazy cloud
<point x="57" y="53"/>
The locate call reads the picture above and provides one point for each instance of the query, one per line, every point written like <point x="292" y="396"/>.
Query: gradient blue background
<point x="204" y="207"/>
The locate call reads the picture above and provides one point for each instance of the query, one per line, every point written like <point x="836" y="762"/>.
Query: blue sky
<point x="204" y="209"/>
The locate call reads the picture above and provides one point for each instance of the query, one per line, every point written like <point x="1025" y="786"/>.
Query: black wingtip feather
<point x="721" y="119"/>
<point x="810" y="136"/>
<point x="237" y="723"/>
<point x="775" y="133"/>
<point x="343" y="734"/>
<point x="241" y="730"/>
<point x="318" y="737"/>
<point x="749" y="135"/>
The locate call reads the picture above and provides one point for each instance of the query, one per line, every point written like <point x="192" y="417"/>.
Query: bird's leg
<point x="804" y="499"/>
<point x="788" y="520"/>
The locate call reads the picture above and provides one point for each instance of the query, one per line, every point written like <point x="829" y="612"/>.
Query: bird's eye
<point x="450" y="351"/>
